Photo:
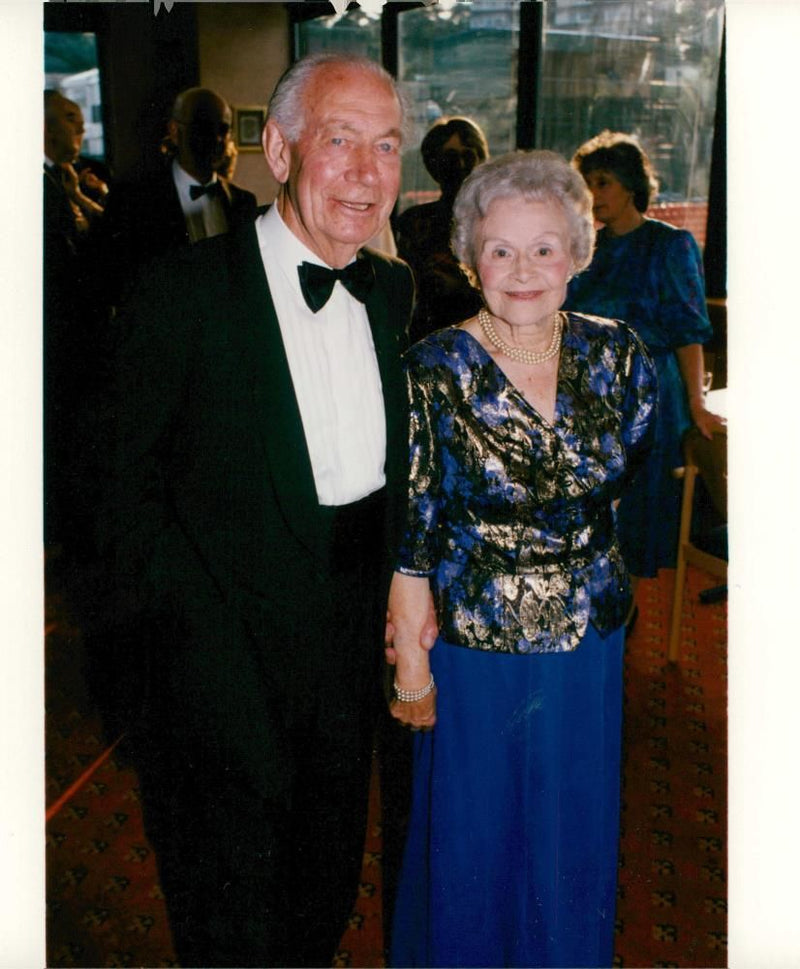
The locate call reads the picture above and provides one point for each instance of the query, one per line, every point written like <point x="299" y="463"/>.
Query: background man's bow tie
<point x="212" y="189"/>
<point x="317" y="282"/>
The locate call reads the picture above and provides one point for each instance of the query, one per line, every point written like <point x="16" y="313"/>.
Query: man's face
<point x="202" y="135"/>
<point x="340" y="180"/>
<point x="63" y="131"/>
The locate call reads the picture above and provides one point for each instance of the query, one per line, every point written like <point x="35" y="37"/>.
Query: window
<point x="646" y="68"/>
<point x="357" y="31"/>
<point x="70" y="66"/>
<point x="458" y="58"/>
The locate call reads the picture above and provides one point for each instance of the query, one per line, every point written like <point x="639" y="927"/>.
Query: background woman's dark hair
<point x="624" y="157"/>
<point x="441" y="132"/>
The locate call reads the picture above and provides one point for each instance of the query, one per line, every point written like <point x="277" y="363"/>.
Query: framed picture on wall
<point x="248" y="123"/>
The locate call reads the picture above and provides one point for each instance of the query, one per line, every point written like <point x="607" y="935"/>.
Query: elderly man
<point x="182" y="202"/>
<point x="259" y="482"/>
<point x="63" y="137"/>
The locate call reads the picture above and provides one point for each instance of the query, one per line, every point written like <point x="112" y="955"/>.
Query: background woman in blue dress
<point x="649" y="274"/>
<point x="525" y="422"/>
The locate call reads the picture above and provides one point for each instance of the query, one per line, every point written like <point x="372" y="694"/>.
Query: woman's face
<point x="456" y="161"/>
<point x="613" y="203"/>
<point x="524" y="259"/>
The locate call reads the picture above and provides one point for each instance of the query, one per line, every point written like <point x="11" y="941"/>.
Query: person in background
<point x="649" y="274"/>
<point x="525" y="423"/>
<point x="63" y="137"/>
<point x="250" y="528"/>
<point x="184" y="201"/>
<point x="450" y="151"/>
<point x="226" y="166"/>
<point x="72" y="321"/>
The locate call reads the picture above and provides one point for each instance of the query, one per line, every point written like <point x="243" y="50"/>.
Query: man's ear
<point x="277" y="151"/>
<point x="172" y="131"/>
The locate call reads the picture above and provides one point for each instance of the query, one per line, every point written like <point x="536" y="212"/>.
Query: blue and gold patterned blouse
<point x="510" y="515"/>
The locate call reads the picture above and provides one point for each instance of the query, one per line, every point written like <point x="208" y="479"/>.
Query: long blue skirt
<point x="511" y="858"/>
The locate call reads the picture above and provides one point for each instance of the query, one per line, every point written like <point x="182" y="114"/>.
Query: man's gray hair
<point x="529" y="176"/>
<point x="286" y="106"/>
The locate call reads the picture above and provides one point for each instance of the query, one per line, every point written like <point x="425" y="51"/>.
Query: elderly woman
<point x="525" y="422"/>
<point x="649" y="274"/>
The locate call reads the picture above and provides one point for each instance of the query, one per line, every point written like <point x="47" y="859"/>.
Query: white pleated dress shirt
<point x="334" y="371"/>
<point x="205" y="217"/>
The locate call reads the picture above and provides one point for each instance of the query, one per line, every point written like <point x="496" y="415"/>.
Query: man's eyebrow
<point x="341" y="124"/>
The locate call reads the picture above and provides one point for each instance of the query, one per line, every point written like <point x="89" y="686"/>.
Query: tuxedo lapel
<point x="265" y="367"/>
<point x="227" y="202"/>
<point x="174" y="220"/>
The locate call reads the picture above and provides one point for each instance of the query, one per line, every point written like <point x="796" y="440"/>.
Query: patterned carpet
<point x="672" y="896"/>
<point x="104" y="906"/>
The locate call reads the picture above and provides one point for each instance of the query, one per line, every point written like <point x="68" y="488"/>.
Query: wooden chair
<point x="709" y="460"/>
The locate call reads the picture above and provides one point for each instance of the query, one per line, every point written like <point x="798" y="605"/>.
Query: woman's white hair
<point x="527" y="175"/>
<point x="287" y="104"/>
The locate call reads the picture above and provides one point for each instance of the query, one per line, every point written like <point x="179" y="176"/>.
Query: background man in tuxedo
<point x="183" y="201"/>
<point x="63" y="137"/>
<point x="259" y="480"/>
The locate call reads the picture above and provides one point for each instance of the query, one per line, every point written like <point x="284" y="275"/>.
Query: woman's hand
<point x="419" y="715"/>
<point x="705" y="420"/>
<point x="409" y="608"/>
<point x="691" y="364"/>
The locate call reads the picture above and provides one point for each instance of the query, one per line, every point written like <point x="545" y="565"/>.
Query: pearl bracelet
<point x="411" y="696"/>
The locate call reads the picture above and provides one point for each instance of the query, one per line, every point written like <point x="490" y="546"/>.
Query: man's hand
<point x="85" y="207"/>
<point x="428" y="637"/>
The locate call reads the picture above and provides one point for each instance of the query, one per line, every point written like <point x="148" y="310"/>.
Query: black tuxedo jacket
<point x="68" y="280"/>
<point x="212" y="517"/>
<point x="143" y="220"/>
<point x="73" y="326"/>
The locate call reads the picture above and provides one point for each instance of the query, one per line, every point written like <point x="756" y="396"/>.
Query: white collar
<point x="183" y="180"/>
<point x="281" y="247"/>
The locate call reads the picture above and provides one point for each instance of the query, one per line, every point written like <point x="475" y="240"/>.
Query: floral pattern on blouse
<point x="511" y="516"/>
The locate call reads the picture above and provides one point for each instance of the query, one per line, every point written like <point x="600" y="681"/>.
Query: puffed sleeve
<point x="418" y="553"/>
<point x="641" y="394"/>
<point x="682" y="293"/>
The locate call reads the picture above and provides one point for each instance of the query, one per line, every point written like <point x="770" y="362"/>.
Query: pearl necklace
<point x="518" y="353"/>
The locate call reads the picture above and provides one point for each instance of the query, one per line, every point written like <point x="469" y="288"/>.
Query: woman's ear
<point x="277" y="151"/>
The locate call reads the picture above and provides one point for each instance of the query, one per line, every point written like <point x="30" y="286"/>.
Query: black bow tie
<point x="317" y="282"/>
<point x="212" y="189"/>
